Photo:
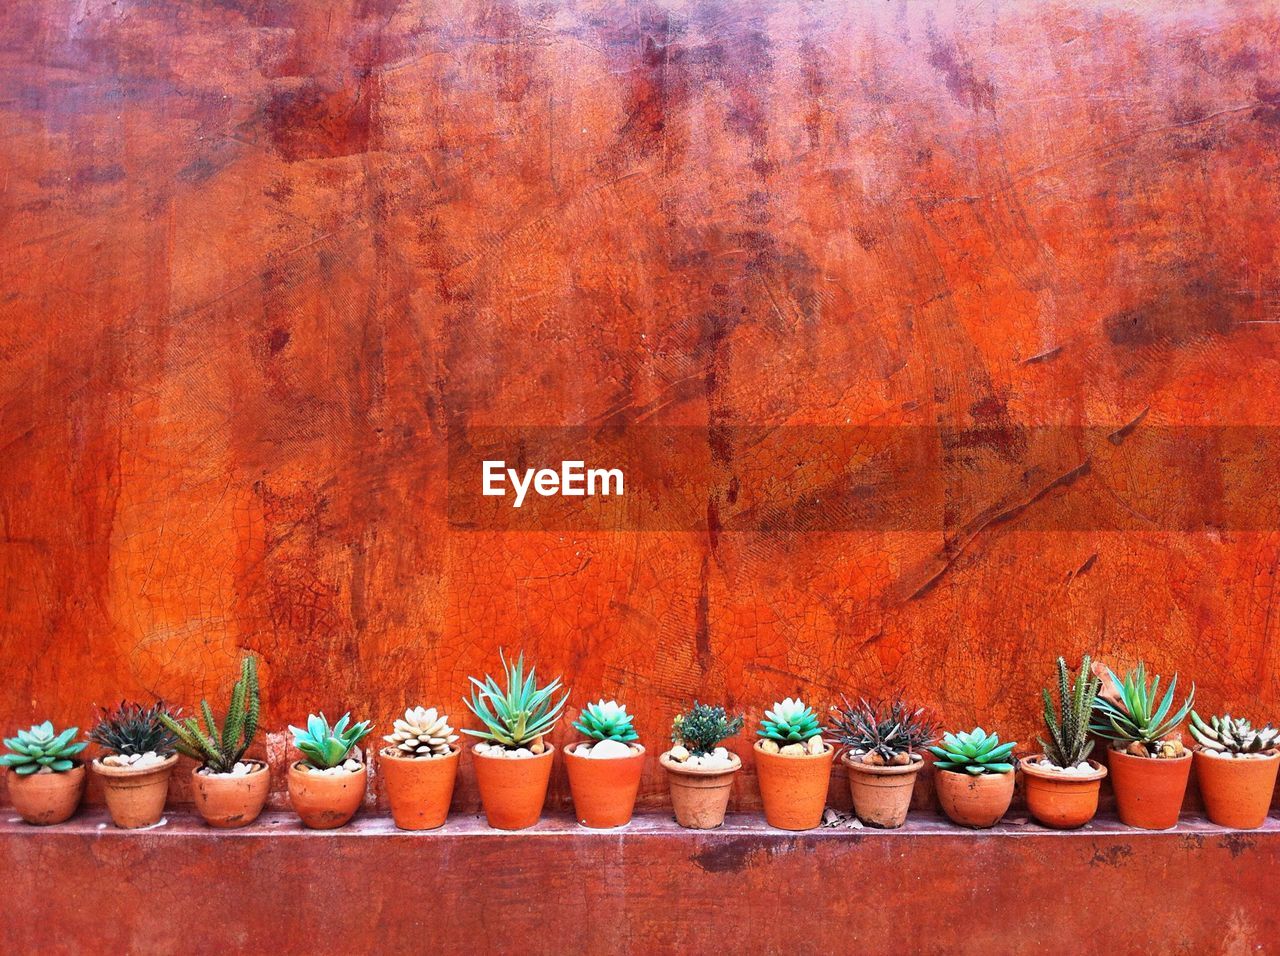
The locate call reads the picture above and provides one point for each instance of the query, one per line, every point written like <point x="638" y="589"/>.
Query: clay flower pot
<point x="226" y="801"/>
<point x="1061" y="801"/>
<point x="325" y="801"/>
<point x="420" y="790"/>
<point x="699" y="795"/>
<point x="135" y="798"/>
<point x="513" y="789"/>
<point x="977" y="801"/>
<point x="1149" y="790"/>
<point x="793" y="787"/>
<point x="881" y="795"/>
<point x="604" y="788"/>
<point x="1237" y="792"/>
<point x="46" y="798"/>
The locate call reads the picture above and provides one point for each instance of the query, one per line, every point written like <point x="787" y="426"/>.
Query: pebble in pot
<point x="45" y="780"/>
<point x="974" y="777"/>
<point x="137" y="764"/>
<point x="793" y="766"/>
<point x="882" y="740"/>
<point x="699" y="771"/>
<point x="604" y="769"/>
<point x="327" y="786"/>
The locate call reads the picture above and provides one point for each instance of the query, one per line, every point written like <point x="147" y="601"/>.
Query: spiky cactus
<point x="606" y="720"/>
<point x="1068" y="723"/>
<point x="1232" y="735"/>
<point x="42" y="749"/>
<point x="790" y="721"/>
<point x="220" y="749"/>
<point x="422" y="732"/>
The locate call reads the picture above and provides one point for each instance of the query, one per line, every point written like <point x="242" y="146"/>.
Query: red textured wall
<point x="261" y="260"/>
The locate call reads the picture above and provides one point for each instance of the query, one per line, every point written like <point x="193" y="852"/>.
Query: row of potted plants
<point x="883" y="748"/>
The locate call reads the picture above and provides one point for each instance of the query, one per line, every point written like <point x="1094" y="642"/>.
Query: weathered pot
<point x="325" y="801"/>
<point x="1060" y="801"/>
<point x="793" y="788"/>
<point x="699" y="796"/>
<point x="420" y="791"/>
<point x="227" y="802"/>
<point x="974" y="801"/>
<point x="513" y="789"/>
<point x="47" y="798"/>
<point x="881" y="795"/>
<point x="1149" y="790"/>
<point x="1237" y="792"/>
<point x="135" y="798"/>
<point x="604" y="789"/>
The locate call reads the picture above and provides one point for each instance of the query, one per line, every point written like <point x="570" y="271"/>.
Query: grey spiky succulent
<point x="1232" y="735"/>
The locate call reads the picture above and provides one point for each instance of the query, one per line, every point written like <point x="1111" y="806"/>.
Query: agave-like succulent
<point x="130" y="728"/>
<point x="422" y="732"/>
<point x="1233" y="735"/>
<point x="42" y="748"/>
<point x="975" y="752"/>
<point x="519" y="714"/>
<point x="1068" y="723"/>
<point x="790" y="721"/>
<point x="703" y="726"/>
<point x="323" y="746"/>
<point x="606" y="720"/>
<point x="220" y="749"/>
<point x="1137" y="717"/>
<point x="883" y="732"/>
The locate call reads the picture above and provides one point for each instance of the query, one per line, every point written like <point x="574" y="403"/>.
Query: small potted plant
<point x="1236" y="767"/>
<point x="1062" y="783"/>
<point x="883" y="741"/>
<point x="326" y="787"/>
<point x="229" y="790"/>
<point x="46" y="780"/>
<point x="420" y="765"/>
<point x="699" y="771"/>
<point x="1148" y="763"/>
<point x="604" y="769"/>
<point x="136" y="767"/>
<point x="513" y="758"/>
<point x="793" y="766"/>
<point x="974" y="777"/>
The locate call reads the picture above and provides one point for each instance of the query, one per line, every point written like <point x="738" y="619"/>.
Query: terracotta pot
<point x="420" y="791"/>
<point x="699" y="797"/>
<point x="46" y="798"/>
<point x="604" y="790"/>
<point x="325" y="801"/>
<point x="135" y="797"/>
<point x="793" y="788"/>
<point x="228" y="802"/>
<point x="881" y="795"/>
<point x="1149" y="790"/>
<point x="513" y="789"/>
<point x="1059" y="801"/>
<point x="978" y="802"/>
<point x="1237" y="793"/>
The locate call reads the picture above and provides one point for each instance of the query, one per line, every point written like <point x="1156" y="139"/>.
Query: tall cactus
<point x="221" y="749"/>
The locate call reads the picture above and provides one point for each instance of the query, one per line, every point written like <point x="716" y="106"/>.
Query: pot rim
<point x="1272" y="754"/>
<point x="260" y="766"/>
<point x="1028" y="767"/>
<point x="549" y="752"/>
<point x="1172" y="761"/>
<point x="877" y="770"/>
<point x="830" y="747"/>
<point x="675" y="767"/>
<point x="298" y="766"/>
<point x="570" y="750"/>
<point x="109" y="771"/>
<point x="389" y="754"/>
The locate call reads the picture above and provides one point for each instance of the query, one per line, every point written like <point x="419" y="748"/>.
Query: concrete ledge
<point x="652" y="887"/>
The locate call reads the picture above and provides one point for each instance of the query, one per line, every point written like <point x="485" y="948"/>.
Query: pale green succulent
<point x="975" y="752"/>
<point x="518" y="715"/>
<point x="606" y="720"/>
<point x="41" y="747"/>
<point x="790" y="721"/>
<point x="324" y="746"/>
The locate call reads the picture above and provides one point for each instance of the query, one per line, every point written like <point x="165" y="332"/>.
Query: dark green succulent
<point x="606" y="720"/>
<point x="1138" y="718"/>
<point x="790" y="721"/>
<point x="130" y="728"/>
<point x="323" y="746"/>
<point x="1068" y="723"/>
<point x="702" y="726"/>
<point x="41" y="747"/>
<point x="220" y="749"/>
<point x="882" y="731"/>
<point x="975" y="752"/>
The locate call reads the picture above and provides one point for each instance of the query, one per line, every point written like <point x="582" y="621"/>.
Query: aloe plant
<point x="220" y="749"/>
<point x="1141" y="716"/>
<point x="323" y="746"/>
<point x="974" y="752"/>
<point x="519" y="714"/>
<point x="1068" y="722"/>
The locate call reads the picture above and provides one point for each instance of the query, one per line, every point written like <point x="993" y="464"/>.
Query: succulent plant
<point x="130" y="728"/>
<point x="42" y="748"/>
<point x="323" y="746"/>
<point x="422" y="732"/>
<point x="975" y="752"/>
<point x="606" y="720"/>
<point x="1137" y="718"/>
<point x="703" y="726"/>
<point x="221" y="749"/>
<point x="1068" y="723"/>
<point x="884" y="732"/>
<point x="790" y="721"/>
<point x="1232" y="735"/>
<point x="520" y="714"/>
